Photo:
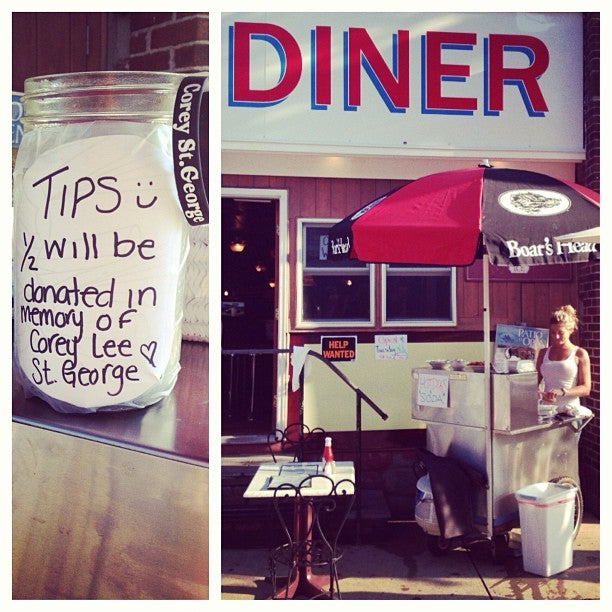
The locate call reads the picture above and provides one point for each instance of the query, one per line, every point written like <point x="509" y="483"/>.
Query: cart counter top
<point x="534" y="423"/>
<point x="457" y="398"/>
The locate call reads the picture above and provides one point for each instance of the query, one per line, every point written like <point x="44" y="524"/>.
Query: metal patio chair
<point x="297" y="442"/>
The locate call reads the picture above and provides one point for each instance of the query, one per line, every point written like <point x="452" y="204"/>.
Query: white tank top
<point x="561" y="375"/>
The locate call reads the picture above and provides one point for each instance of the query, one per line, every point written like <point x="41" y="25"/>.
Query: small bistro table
<point x="269" y="476"/>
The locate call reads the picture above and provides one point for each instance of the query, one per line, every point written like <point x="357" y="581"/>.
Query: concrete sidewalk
<point x="394" y="563"/>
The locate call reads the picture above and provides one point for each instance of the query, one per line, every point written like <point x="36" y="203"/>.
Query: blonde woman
<point x="564" y="367"/>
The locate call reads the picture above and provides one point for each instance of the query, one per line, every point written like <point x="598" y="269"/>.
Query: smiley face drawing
<point x="138" y="200"/>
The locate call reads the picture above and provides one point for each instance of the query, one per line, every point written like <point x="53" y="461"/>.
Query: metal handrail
<point x="359" y="396"/>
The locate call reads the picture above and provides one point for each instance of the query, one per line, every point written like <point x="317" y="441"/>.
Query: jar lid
<point x="99" y="80"/>
<point x="90" y="96"/>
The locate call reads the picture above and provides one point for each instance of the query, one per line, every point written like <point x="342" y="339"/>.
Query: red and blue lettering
<point x="525" y="79"/>
<point x="240" y="91"/>
<point x="321" y="78"/>
<point x="390" y="76"/>
<point x="435" y="72"/>
<point x="392" y="85"/>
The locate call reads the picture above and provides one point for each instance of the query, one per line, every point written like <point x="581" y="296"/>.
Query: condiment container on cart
<point x="329" y="464"/>
<point x="546" y="410"/>
<point x="100" y="241"/>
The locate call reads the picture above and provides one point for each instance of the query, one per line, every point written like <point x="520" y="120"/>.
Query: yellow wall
<point x="329" y="403"/>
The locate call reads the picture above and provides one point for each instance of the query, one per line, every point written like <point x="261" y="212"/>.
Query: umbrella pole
<point x="488" y="408"/>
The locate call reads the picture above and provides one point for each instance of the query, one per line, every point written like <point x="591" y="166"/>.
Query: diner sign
<point x="410" y="83"/>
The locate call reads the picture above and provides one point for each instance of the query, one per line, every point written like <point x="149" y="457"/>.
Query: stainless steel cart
<point x="510" y="446"/>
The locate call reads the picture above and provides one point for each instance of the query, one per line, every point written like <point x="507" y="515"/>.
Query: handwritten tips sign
<point x="432" y="390"/>
<point x="391" y="347"/>
<point x="100" y="245"/>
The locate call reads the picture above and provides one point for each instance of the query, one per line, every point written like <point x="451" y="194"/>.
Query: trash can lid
<point x="545" y="492"/>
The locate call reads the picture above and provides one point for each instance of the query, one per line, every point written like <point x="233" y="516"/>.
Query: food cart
<point x="512" y="446"/>
<point x="510" y="217"/>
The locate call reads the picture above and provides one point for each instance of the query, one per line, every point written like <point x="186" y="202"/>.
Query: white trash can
<point x="546" y="513"/>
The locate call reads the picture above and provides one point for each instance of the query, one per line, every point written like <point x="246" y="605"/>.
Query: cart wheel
<point x="579" y="504"/>
<point x="499" y="547"/>
<point x="438" y="545"/>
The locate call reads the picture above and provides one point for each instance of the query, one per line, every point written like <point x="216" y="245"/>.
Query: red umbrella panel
<point x="439" y="220"/>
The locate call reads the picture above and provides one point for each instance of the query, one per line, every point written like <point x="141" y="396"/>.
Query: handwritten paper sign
<point x="100" y="244"/>
<point x="391" y="347"/>
<point x="432" y="390"/>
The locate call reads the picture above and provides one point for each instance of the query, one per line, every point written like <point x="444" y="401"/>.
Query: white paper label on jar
<point x="99" y="244"/>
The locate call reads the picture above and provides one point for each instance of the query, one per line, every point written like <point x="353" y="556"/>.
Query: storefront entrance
<point x="249" y="297"/>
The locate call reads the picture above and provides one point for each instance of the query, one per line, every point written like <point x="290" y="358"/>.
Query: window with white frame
<point x="331" y="293"/>
<point x="418" y="295"/>
<point x="342" y="294"/>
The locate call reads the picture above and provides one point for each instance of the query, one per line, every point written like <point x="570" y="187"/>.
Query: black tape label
<point x="190" y="148"/>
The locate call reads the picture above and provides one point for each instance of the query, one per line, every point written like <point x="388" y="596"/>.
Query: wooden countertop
<point x="95" y="521"/>
<point x="176" y="427"/>
<point x="114" y="505"/>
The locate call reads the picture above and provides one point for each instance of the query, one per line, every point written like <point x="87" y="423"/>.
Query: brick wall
<point x="168" y="41"/>
<point x="590" y="167"/>
<point x="589" y="450"/>
<point x="588" y="274"/>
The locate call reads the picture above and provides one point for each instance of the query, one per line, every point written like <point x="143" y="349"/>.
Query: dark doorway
<point x="248" y="278"/>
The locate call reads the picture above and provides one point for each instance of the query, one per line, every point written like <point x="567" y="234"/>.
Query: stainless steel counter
<point x="176" y="427"/>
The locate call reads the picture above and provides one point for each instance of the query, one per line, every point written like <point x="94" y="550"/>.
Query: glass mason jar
<point x="100" y="241"/>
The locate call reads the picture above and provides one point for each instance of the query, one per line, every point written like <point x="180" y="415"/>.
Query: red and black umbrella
<point x="523" y="218"/>
<point x="442" y="219"/>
